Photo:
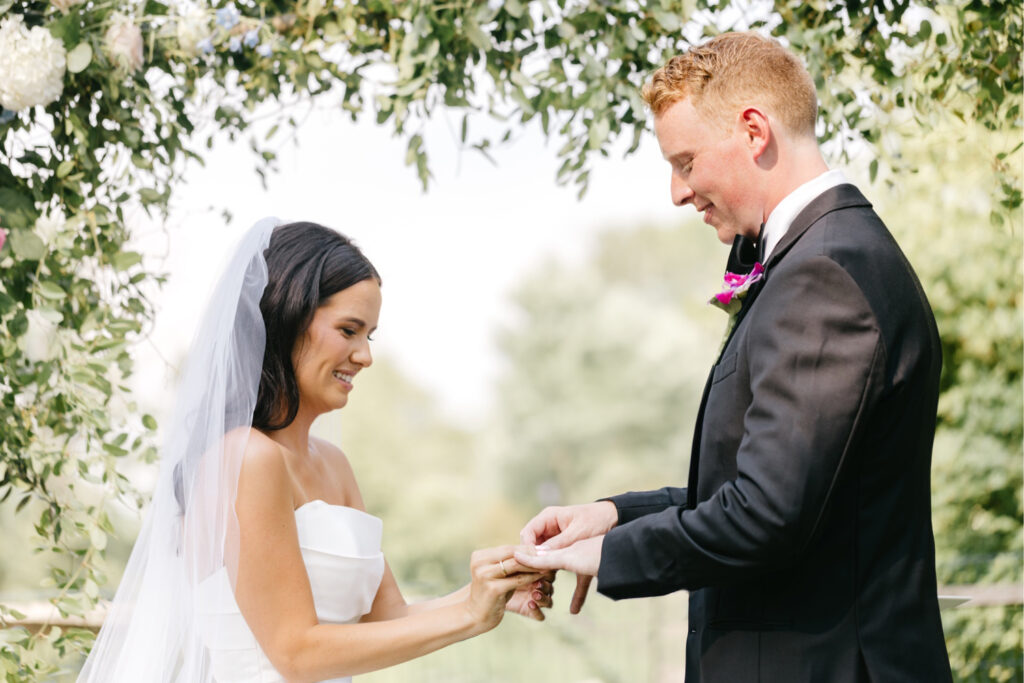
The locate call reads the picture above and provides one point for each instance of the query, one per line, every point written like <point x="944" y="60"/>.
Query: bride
<point x="257" y="561"/>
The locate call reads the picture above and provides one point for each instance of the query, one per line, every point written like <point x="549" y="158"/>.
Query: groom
<point x="804" y="535"/>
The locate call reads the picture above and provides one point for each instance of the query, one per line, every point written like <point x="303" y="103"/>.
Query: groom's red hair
<point x="735" y="70"/>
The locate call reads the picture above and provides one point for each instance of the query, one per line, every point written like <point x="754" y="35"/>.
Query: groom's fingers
<point x="554" y="527"/>
<point x="580" y="596"/>
<point x="561" y="540"/>
<point x="546" y="561"/>
<point x="541" y="528"/>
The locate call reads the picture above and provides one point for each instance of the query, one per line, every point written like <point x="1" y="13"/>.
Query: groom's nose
<point x="681" y="192"/>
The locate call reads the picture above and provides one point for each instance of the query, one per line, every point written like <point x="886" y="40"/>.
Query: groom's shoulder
<point x="856" y="240"/>
<point x="852" y="236"/>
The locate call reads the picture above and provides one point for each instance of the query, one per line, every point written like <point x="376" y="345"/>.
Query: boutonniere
<point x="731" y="298"/>
<point x="736" y="287"/>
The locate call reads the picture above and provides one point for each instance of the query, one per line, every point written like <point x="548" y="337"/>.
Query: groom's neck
<point x="799" y="161"/>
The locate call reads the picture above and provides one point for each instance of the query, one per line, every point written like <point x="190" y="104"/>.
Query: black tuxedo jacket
<point x="804" y="535"/>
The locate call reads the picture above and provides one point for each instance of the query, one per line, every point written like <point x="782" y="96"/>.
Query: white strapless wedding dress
<point x="341" y="549"/>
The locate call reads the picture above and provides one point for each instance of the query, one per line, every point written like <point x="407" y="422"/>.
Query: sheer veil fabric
<point x="152" y="631"/>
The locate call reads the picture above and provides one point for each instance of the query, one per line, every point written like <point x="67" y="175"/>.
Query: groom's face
<point x="712" y="169"/>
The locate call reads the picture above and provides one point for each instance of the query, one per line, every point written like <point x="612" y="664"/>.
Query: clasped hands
<point x="568" y="538"/>
<point x="519" y="578"/>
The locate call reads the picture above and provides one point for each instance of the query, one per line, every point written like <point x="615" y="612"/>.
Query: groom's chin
<point x="726" y="235"/>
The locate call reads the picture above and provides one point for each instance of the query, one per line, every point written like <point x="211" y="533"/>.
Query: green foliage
<point x="73" y="298"/>
<point x="971" y="269"/>
<point x="888" y="71"/>
<point x="985" y="643"/>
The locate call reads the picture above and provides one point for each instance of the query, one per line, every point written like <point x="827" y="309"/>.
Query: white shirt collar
<point x="796" y="201"/>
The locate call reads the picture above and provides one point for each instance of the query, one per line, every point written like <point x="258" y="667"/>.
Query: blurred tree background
<point x="606" y="363"/>
<point x="971" y="268"/>
<point x="607" y="357"/>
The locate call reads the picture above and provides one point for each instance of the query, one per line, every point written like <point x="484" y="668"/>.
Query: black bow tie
<point x="745" y="253"/>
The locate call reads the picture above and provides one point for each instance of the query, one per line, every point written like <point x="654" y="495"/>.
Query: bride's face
<point x="336" y="347"/>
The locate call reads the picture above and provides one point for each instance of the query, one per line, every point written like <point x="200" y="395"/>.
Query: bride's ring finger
<point x="501" y="564"/>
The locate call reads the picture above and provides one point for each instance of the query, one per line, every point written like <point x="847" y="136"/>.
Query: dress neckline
<point x="320" y="501"/>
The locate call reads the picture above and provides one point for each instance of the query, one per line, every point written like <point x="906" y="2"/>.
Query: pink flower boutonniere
<point x="736" y="286"/>
<point x="731" y="299"/>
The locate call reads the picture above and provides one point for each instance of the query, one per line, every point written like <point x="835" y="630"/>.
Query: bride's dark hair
<point x="306" y="264"/>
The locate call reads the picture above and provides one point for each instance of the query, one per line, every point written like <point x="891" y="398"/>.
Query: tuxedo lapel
<point x="839" y="197"/>
<point x="748" y="301"/>
<point x="691" y="483"/>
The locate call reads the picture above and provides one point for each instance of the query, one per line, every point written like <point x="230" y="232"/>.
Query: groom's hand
<point x="559" y="527"/>
<point x="583" y="558"/>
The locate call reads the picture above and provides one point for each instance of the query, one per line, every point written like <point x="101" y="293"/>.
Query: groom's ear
<point x="757" y="131"/>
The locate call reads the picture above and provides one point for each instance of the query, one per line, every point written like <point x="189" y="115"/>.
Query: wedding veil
<point x="153" y="629"/>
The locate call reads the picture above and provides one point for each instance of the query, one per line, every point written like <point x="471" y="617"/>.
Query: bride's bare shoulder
<point x="263" y="467"/>
<point x="341" y="470"/>
<point x="336" y="459"/>
<point x="252" y="445"/>
<point x="328" y="449"/>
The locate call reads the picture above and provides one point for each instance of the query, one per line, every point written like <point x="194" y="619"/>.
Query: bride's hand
<point x="530" y="600"/>
<point x="496" y="576"/>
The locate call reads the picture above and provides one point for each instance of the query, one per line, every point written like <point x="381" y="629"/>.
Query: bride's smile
<point x="336" y="347"/>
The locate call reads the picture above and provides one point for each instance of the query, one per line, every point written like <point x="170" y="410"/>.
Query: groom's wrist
<point x="609" y="512"/>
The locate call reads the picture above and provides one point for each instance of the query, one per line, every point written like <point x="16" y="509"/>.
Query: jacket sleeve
<point x="636" y="504"/>
<point x="816" y="361"/>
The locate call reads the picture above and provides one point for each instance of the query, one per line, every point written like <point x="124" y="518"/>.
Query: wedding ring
<point x="504" y="572"/>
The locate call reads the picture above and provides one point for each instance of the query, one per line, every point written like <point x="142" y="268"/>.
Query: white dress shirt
<point x="796" y="201"/>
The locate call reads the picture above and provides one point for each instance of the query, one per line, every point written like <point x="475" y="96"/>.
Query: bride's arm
<point x="389" y="603"/>
<point x="273" y="592"/>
